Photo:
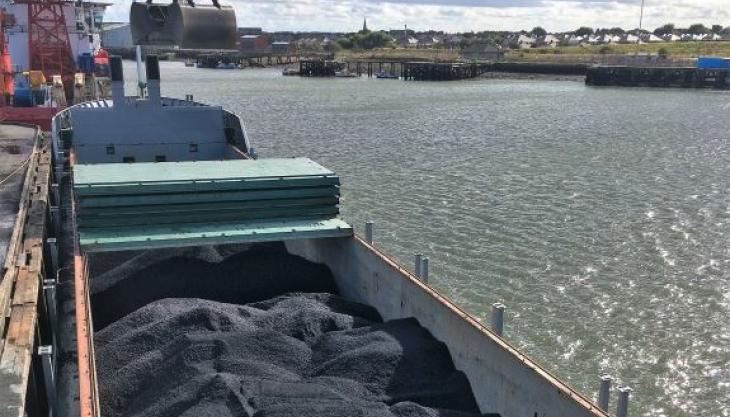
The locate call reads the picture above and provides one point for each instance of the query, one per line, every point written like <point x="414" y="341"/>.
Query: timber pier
<point x="418" y="71"/>
<point x="433" y="71"/>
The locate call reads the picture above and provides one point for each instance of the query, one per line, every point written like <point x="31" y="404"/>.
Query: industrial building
<point x="117" y="35"/>
<point x="253" y="44"/>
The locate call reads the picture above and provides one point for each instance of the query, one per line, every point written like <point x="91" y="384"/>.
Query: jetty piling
<point x="498" y="318"/>
<point x="419" y="264"/>
<point x="369" y="226"/>
<point x="604" y="392"/>
<point x="622" y="409"/>
<point x="424" y="269"/>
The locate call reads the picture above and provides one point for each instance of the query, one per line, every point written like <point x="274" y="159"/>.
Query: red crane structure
<point x="49" y="45"/>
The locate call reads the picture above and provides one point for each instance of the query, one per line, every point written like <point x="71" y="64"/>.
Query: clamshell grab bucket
<point x="187" y="25"/>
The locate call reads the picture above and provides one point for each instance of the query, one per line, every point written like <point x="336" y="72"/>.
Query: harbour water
<point x="599" y="216"/>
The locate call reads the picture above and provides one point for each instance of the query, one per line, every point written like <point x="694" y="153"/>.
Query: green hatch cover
<point x="174" y="204"/>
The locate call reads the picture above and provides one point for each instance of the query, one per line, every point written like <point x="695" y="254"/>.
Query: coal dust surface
<point x="303" y="352"/>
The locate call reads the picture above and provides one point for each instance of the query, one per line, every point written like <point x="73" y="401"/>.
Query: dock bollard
<point x="369" y="232"/>
<point x="498" y="318"/>
<point x="53" y="251"/>
<point x="46" y="355"/>
<point x="604" y="392"/>
<point x="424" y="269"/>
<point x="419" y="264"/>
<point x="622" y="409"/>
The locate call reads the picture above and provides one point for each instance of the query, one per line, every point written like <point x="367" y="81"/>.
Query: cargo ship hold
<point x="155" y="266"/>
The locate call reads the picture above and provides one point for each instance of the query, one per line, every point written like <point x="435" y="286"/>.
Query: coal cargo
<point x="303" y="352"/>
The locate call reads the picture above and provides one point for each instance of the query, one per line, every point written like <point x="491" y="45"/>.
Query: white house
<point x="670" y="37"/>
<point x="519" y="41"/>
<point x="549" y="41"/>
<point x="629" y="38"/>
<point x="574" y="40"/>
<point x="651" y="38"/>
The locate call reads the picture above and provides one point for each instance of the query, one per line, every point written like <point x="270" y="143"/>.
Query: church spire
<point x="365" y="24"/>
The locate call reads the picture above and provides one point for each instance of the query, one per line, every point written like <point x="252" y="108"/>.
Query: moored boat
<point x="382" y="74"/>
<point x="346" y="73"/>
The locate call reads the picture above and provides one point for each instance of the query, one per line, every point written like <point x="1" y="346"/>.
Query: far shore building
<point x="282" y="48"/>
<point x="629" y="38"/>
<point x="651" y="38"/>
<point x="253" y="44"/>
<point x="547" y="41"/>
<point x="116" y="35"/>
<point x="519" y="41"/>
<point x="671" y="37"/>
<point x="482" y="51"/>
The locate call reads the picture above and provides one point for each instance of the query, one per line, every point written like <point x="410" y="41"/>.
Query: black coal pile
<point x="257" y="274"/>
<point x="297" y="354"/>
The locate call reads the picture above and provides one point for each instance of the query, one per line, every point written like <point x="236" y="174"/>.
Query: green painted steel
<point x="197" y="171"/>
<point x="142" y="178"/>
<point x="171" y="204"/>
<point x="213" y="216"/>
<point x="97" y="240"/>
<point x="203" y="186"/>
<point x="206" y="207"/>
<point x="203" y="197"/>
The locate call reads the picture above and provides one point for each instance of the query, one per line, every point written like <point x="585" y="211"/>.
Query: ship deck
<point x="16" y="147"/>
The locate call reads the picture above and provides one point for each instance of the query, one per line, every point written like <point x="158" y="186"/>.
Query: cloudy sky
<point x="463" y="15"/>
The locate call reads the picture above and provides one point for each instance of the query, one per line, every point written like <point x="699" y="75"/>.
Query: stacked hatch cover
<point x="176" y="204"/>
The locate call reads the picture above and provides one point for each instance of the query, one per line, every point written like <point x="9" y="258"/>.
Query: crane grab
<point x="188" y="25"/>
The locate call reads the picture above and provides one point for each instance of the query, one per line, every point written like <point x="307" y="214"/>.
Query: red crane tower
<point x="49" y="45"/>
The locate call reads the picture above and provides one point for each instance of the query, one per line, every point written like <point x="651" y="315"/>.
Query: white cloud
<point x="464" y="15"/>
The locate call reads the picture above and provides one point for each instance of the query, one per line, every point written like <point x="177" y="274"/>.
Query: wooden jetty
<point x="418" y="71"/>
<point x="429" y="71"/>
<point x="244" y="60"/>
<point x="682" y="77"/>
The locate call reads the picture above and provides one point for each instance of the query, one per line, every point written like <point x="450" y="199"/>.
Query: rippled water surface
<point x="598" y="216"/>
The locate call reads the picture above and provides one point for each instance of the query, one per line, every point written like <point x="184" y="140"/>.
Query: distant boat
<point x="189" y="63"/>
<point x="226" y="65"/>
<point x="290" y="71"/>
<point x="346" y="74"/>
<point x="386" y="75"/>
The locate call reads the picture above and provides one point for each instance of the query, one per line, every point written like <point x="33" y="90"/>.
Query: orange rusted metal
<point x="83" y="338"/>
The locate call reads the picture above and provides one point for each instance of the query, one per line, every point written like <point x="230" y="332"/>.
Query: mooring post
<point x="56" y="220"/>
<point x="419" y="264"/>
<point x="55" y="192"/>
<point x="369" y="231"/>
<point x="424" y="269"/>
<point x="52" y="243"/>
<point x="622" y="409"/>
<point x="604" y="392"/>
<point x="49" y="290"/>
<point x="46" y="355"/>
<point x="498" y="318"/>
